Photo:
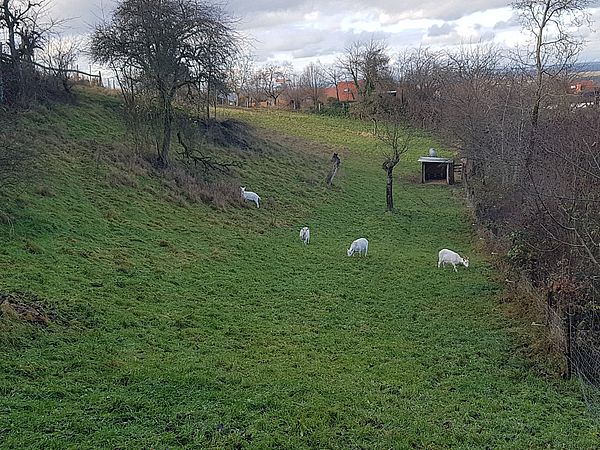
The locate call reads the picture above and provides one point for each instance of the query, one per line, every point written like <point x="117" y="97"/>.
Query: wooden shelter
<point x="434" y="169"/>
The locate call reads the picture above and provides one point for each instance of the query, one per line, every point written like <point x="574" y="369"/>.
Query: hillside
<point x="136" y="316"/>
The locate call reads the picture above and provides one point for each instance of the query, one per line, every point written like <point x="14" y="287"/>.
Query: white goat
<point x="249" y="195"/>
<point x="360" y="245"/>
<point x="305" y="235"/>
<point x="446" y="256"/>
<point x="432" y="152"/>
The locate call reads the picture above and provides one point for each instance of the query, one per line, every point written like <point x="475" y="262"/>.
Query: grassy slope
<point x="192" y="327"/>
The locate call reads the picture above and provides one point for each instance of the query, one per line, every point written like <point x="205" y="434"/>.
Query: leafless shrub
<point x="60" y="55"/>
<point x="219" y="193"/>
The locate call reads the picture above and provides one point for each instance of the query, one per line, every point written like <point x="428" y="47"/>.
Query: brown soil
<point x="26" y="308"/>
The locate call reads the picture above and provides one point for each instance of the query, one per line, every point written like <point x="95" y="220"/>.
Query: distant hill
<point x="590" y="66"/>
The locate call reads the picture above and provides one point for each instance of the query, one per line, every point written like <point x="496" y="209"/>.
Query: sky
<point x="301" y="31"/>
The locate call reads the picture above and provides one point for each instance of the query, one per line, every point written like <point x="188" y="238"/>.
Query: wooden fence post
<point x="568" y="343"/>
<point x="1" y="78"/>
<point x="335" y="159"/>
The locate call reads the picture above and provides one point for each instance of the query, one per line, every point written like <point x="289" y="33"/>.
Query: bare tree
<point x="420" y="74"/>
<point x="554" y="45"/>
<point x="334" y="75"/>
<point x="295" y="90"/>
<point x="366" y="63"/>
<point x="216" y="51"/>
<point x="480" y="107"/>
<point x="240" y="77"/>
<point x="392" y="130"/>
<point x="256" y="87"/>
<point x="141" y="116"/>
<point x="313" y="80"/>
<point x="570" y="199"/>
<point x="165" y="42"/>
<point x="208" y="163"/>
<point x="60" y="55"/>
<point x="272" y="79"/>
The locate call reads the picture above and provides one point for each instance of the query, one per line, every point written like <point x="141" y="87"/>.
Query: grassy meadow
<point x="175" y="324"/>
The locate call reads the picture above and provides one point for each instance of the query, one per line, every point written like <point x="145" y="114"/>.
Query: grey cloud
<point x="487" y="36"/>
<point x="441" y="30"/>
<point x="270" y="20"/>
<point x="309" y="52"/>
<point x="292" y="40"/>
<point x="280" y="27"/>
<point x="510" y="23"/>
<point x="455" y="9"/>
<point x="447" y="10"/>
<point x="255" y="14"/>
<point x="82" y="15"/>
<point x="454" y="38"/>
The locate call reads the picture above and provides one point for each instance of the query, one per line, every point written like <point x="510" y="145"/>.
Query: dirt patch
<point x="26" y="308"/>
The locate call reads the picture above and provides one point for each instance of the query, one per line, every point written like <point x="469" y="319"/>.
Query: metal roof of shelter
<point x="432" y="159"/>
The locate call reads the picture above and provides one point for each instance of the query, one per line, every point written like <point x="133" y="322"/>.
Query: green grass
<point x="196" y="327"/>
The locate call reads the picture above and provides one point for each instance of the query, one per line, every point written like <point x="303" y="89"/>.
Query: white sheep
<point x="446" y="256"/>
<point x="305" y="235"/>
<point x="360" y="245"/>
<point x="249" y="195"/>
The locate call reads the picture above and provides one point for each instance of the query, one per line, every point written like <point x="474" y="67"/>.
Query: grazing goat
<point x="446" y="256"/>
<point x="360" y="245"/>
<point x="305" y="235"/>
<point x="249" y="195"/>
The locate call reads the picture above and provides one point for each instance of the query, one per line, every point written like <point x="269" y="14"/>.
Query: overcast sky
<point x="300" y="31"/>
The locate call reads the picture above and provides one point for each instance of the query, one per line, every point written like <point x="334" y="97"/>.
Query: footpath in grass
<point x="190" y="327"/>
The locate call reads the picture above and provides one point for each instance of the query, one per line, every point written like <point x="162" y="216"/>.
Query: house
<point x="582" y="86"/>
<point x="346" y="89"/>
<point x="588" y="93"/>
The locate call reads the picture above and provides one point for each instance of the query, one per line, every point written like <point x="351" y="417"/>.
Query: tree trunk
<point x="535" y="113"/>
<point x="208" y="99"/>
<point x="1" y="81"/>
<point x="163" y="157"/>
<point x="388" y="190"/>
<point x="215" y="104"/>
<point x="14" y="53"/>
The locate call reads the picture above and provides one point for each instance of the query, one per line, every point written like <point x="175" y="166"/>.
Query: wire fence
<point x="575" y="331"/>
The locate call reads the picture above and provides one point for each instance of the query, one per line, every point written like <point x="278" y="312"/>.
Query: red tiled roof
<point x="583" y="85"/>
<point x="346" y="89"/>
